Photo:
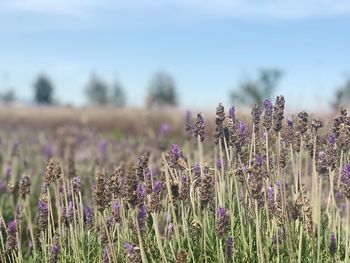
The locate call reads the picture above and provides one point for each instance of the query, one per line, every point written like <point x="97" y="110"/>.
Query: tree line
<point x="162" y="90"/>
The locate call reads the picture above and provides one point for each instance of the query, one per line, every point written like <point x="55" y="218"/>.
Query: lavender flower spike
<point x="229" y="247"/>
<point x="11" y="240"/>
<point x="332" y="244"/>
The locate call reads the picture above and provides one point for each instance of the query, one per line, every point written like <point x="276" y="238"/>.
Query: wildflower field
<point x="220" y="187"/>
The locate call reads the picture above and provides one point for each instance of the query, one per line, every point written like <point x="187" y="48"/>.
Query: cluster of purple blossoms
<point x="11" y="240"/>
<point x="70" y="212"/>
<point x="76" y="184"/>
<point x="55" y="250"/>
<point x="268" y="111"/>
<point x="197" y="174"/>
<point x="141" y="192"/>
<point x="229" y="247"/>
<point x="116" y="211"/>
<point x="271" y="199"/>
<point x="232" y="113"/>
<point x="156" y="201"/>
<point x="175" y="156"/>
<point x="141" y="216"/>
<point x="88" y="214"/>
<point x="132" y="253"/>
<point x="198" y="128"/>
<point x="345" y="180"/>
<point x="223" y="222"/>
<point x="332" y="244"/>
<point x="43" y="214"/>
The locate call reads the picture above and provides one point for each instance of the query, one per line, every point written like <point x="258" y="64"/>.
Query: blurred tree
<point x="8" y="96"/>
<point x="43" y="90"/>
<point x="162" y="90"/>
<point x="255" y="91"/>
<point x="342" y="96"/>
<point x="118" y="96"/>
<point x="97" y="91"/>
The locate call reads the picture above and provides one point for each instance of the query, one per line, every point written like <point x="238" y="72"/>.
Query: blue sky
<point x="208" y="46"/>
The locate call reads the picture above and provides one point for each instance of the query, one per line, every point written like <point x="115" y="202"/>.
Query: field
<point x="127" y="185"/>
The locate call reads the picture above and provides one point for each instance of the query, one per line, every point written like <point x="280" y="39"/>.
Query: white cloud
<point x="279" y="9"/>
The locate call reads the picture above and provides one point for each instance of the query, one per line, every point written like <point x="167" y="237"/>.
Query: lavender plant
<point x="260" y="189"/>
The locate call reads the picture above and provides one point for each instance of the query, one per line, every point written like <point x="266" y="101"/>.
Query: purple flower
<point x="15" y="148"/>
<point x="289" y="122"/>
<point x="322" y="155"/>
<point x="116" y="211"/>
<point x="196" y="169"/>
<point x="198" y="128"/>
<point x="109" y="222"/>
<point x="157" y="187"/>
<point x="12" y="226"/>
<point x="339" y="195"/>
<point x="148" y="174"/>
<point x="197" y="174"/>
<point x="346" y="173"/>
<point x="232" y="113"/>
<point x="218" y="164"/>
<point x="223" y="222"/>
<point x="241" y="128"/>
<point x="43" y="207"/>
<point x="164" y="129"/>
<point x="332" y="244"/>
<point x="76" y="184"/>
<point x="148" y="181"/>
<point x="141" y="216"/>
<point x="11" y="240"/>
<point x="129" y="248"/>
<point x="175" y="150"/>
<point x="267" y="104"/>
<point x="43" y="214"/>
<point x="229" y="247"/>
<point x="331" y="138"/>
<point x="102" y="150"/>
<point x="221" y="212"/>
<point x="140" y="191"/>
<point x="200" y="119"/>
<point x="47" y="151"/>
<point x="259" y="160"/>
<point x="8" y="173"/>
<point x="70" y="212"/>
<point x="88" y="216"/>
<point x="55" y="250"/>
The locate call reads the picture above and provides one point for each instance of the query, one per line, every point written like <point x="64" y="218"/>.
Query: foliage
<point x="162" y="89"/>
<point x="97" y="91"/>
<point x="118" y="96"/>
<point x="100" y="93"/>
<point x="342" y="96"/>
<point x="255" y="91"/>
<point x="43" y="90"/>
<point x="8" y="96"/>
